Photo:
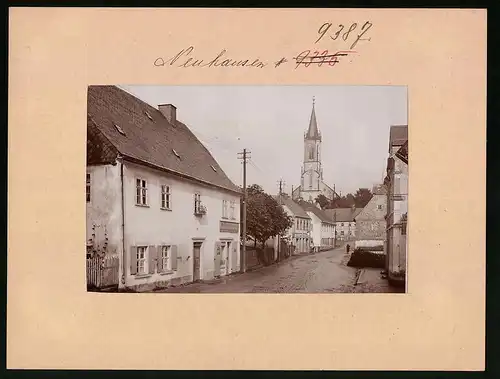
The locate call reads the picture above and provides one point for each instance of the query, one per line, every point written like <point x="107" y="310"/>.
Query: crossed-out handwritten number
<point x="323" y="29"/>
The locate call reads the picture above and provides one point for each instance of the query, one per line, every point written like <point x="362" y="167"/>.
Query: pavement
<point x="322" y="272"/>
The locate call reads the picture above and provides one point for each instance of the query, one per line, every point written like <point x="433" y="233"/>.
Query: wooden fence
<point x="102" y="272"/>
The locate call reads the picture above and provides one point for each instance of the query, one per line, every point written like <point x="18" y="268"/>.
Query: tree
<point x="323" y="201"/>
<point x="362" y="197"/>
<point x="265" y="217"/>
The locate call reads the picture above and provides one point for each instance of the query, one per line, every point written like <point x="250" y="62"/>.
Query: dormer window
<point x="148" y="115"/>
<point x="120" y="130"/>
<point x="176" y="153"/>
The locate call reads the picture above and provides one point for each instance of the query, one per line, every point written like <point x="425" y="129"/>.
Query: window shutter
<point x="173" y="254"/>
<point x="235" y="255"/>
<point x="133" y="260"/>
<point x="152" y="258"/>
<point x="159" y="260"/>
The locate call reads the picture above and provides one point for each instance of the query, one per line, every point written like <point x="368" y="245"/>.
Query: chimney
<point x="169" y="111"/>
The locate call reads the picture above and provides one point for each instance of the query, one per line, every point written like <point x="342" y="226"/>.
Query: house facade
<point x="323" y="228"/>
<point x="300" y="232"/>
<point x="396" y="182"/>
<point x="345" y="222"/>
<point x="156" y="198"/>
<point x="370" y="222"/>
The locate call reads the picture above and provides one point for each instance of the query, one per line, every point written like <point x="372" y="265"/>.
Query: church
<point x="311" y="180"/>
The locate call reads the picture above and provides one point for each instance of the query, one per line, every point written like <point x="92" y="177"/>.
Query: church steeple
<point x="313" y="132"/>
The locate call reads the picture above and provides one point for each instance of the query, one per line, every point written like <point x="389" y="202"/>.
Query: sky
<point x="270" y="122"/>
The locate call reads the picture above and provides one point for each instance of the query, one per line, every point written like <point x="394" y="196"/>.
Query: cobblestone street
<point x="324" y="272"/>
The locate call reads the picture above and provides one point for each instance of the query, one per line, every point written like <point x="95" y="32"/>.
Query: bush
<point x="364" y="258"/>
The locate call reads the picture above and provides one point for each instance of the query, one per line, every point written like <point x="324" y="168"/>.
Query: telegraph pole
<point x="243" y="257"/>
<point x="281" y="184"/>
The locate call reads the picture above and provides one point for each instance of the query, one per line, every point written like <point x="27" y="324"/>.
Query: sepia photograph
<point x="247" y="189"/>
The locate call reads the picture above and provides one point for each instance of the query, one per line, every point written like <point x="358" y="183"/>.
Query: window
<point x="165" y="197"/>
<point x="342" y="233"/>
<point x="120" y="130"/>
<point x="166" y="261"/>
<point x="379" y="206"/>
<point x="88" y="188"/>
<point x="149" y="115"/>
<point x="298" y="223"/>
<point x="310" y="183"/>
<point x="176" y="153"/>
<point x="311" y="153"/>
<point x="233" y="210"/>
<point x="197" y="203"/>
<point x="141" y="192"/>
<point x="341" y="224"/>
<point x="224" y="209"/>
<point x="403" y="228"/>
<point x="141" y="259"/>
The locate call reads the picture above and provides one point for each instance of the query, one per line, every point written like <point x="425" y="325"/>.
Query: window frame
<point x="143" y="260"/>
<point x="225" y="209"/>
<point x="166" y="197"/>
<point x="88" y="188"/>
<point x="166" y="261"/>
<point x="232" y="209"/>
<point x="197" y="202"/>
<point x="141" y="192"/>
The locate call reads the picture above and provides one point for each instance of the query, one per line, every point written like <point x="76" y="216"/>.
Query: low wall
<point x="368" y="243"/>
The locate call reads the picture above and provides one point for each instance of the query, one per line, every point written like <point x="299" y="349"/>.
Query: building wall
<point x="370" y="223"/>
<point x="327" y="235"/>
<point x="103" y="211"/>
<point x="316" y="229"/>
<point x="152" y="226"/>
<point x="349" y="229"/>
<point x="398" y="205"/>
<point x="178" y="226"/>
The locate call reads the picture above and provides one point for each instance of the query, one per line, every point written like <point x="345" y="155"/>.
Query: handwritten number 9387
<point x="343" y="32"/>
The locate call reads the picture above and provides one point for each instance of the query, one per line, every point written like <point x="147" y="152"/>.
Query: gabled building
<point x="300" y="232"/>
<point x="370" y="222"/>
<point x="345" y="222"/>
<point x="396" y="182"/>
<point x="323" y="227"/>
<point x="156" y="197"/>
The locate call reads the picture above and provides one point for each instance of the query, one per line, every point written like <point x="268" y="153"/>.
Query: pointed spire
<point x="313" y="132"/>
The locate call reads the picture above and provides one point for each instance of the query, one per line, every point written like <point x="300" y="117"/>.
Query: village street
<point x="323" y="272"/>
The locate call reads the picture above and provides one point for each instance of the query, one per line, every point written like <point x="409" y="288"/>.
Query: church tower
<point x="311" y="181"/>
<point x="312" y="174"/>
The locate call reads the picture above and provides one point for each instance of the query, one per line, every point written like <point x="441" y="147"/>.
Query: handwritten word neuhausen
<point x="345" y="35"/>
<point x="183" y="59"/>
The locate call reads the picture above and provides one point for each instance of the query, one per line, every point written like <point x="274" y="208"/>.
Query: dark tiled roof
<point x="153" y="142"/>
<point x="343" y="214"/>
<point x="296" y="209"/>
<point x="402" y="153"/>
<point x="398" y="135"/>
<point x="318" y="212"/>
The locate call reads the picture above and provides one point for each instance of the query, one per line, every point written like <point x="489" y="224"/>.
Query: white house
<point x="300" y="232"/>
<point x="345" y="222"/>
<point x="323" y="228"/>
<point x="156" y="197"/>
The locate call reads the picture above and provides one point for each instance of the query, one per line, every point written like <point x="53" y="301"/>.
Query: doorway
<point x="196" y="260"/>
